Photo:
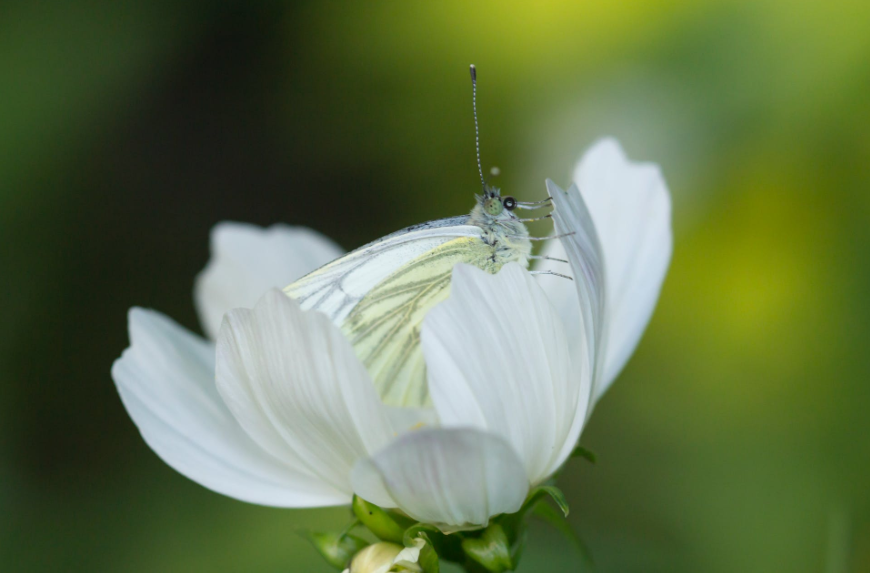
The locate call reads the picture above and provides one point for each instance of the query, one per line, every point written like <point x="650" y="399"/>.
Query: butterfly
<point x="379" y="294"/>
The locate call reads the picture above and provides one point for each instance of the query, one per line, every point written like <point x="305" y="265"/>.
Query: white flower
<point x="281" y="412"/>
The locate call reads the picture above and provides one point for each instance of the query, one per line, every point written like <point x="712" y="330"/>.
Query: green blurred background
<point x="735" y="440"/>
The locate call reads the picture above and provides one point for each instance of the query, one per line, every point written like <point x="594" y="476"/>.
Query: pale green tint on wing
<point x="336" y="288"/>
<point x="384" y="327"/>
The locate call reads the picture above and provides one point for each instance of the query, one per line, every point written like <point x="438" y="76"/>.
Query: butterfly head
<point x="493" y="204"/>
<point x="492" y="208"/>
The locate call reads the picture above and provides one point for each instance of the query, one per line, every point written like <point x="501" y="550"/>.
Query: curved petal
<point x="582" y="303"/>
<point x="292" y="381"/>
<point x="166" y="381"/>
<point x="498" y="359"/>
<point x="631" y="207"/>
<point x="247" y="260"/>
<point x="405" y="419"/>
<point x="454" y="478"/>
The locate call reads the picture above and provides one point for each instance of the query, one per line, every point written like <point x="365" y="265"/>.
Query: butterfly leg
<point x="544" y="238"/>
<point x="535" y="204"/>
<point x="547" y="216"/>
<point x="551" y="273"/>
<point x="546" y="258"/>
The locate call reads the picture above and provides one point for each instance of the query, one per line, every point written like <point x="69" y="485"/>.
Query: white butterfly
<point x="379" y="293"/>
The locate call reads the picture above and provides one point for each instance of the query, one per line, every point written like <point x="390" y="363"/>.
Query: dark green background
<point x="735" y="440"/>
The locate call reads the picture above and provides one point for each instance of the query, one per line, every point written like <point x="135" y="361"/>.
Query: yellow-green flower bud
<point x="385" y="558"/>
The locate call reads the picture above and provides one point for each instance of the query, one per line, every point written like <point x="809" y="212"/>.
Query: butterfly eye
<point x="509" y="203"/>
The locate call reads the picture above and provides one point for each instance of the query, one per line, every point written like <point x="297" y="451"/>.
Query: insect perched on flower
<point x="379" y="294"/>
<point x="428" y="377"/>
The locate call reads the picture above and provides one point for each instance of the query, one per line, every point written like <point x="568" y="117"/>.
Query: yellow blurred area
<point x="736" y="439"/>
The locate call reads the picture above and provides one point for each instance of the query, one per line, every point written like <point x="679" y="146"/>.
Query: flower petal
<point x="631" y="207"/>
<point x="584" y="309"/>
<point x="166" y="381"/>
<point x="454" y="478"/>
<point x="292" y="381"/>
<point x="498" y="359"/>
<point x="247" y="260"/>
<point x="405" y="419"/>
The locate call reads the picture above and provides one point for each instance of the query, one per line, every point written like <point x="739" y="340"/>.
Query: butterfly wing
<point x="384" y="327"/>
<point x="379" y="294"/>
<point x="337" y="287"/>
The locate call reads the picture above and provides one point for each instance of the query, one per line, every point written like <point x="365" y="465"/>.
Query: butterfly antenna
<point x="473" y="71"/>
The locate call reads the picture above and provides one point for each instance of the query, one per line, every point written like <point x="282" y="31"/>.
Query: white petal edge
<point x="581" y="301"/>
<point x="293" y="382"/>
<point x="631" y="208"/>
<point x="247" y="260"/>
<point x="454" y="478"/>
<point x="498" y="359"/>
<point x="166" y="382"/>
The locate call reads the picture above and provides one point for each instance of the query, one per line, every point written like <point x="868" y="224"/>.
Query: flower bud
<point x="385" y="557"/>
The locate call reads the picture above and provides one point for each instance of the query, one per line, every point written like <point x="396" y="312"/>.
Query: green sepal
<point x="448" y="547"/>
<point x="562" y="525"/>
<point x="428" y="560"/>
<point x="492" y="549"/>
<point x="384" y="525"/>
<point x="437" y="546"/>
<point x="337" y="548"/>
<point x="554" y="493"/>
<point x="514" y="525"/>
<point x="581" y="452"/>
<point x="430" y="533"/>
